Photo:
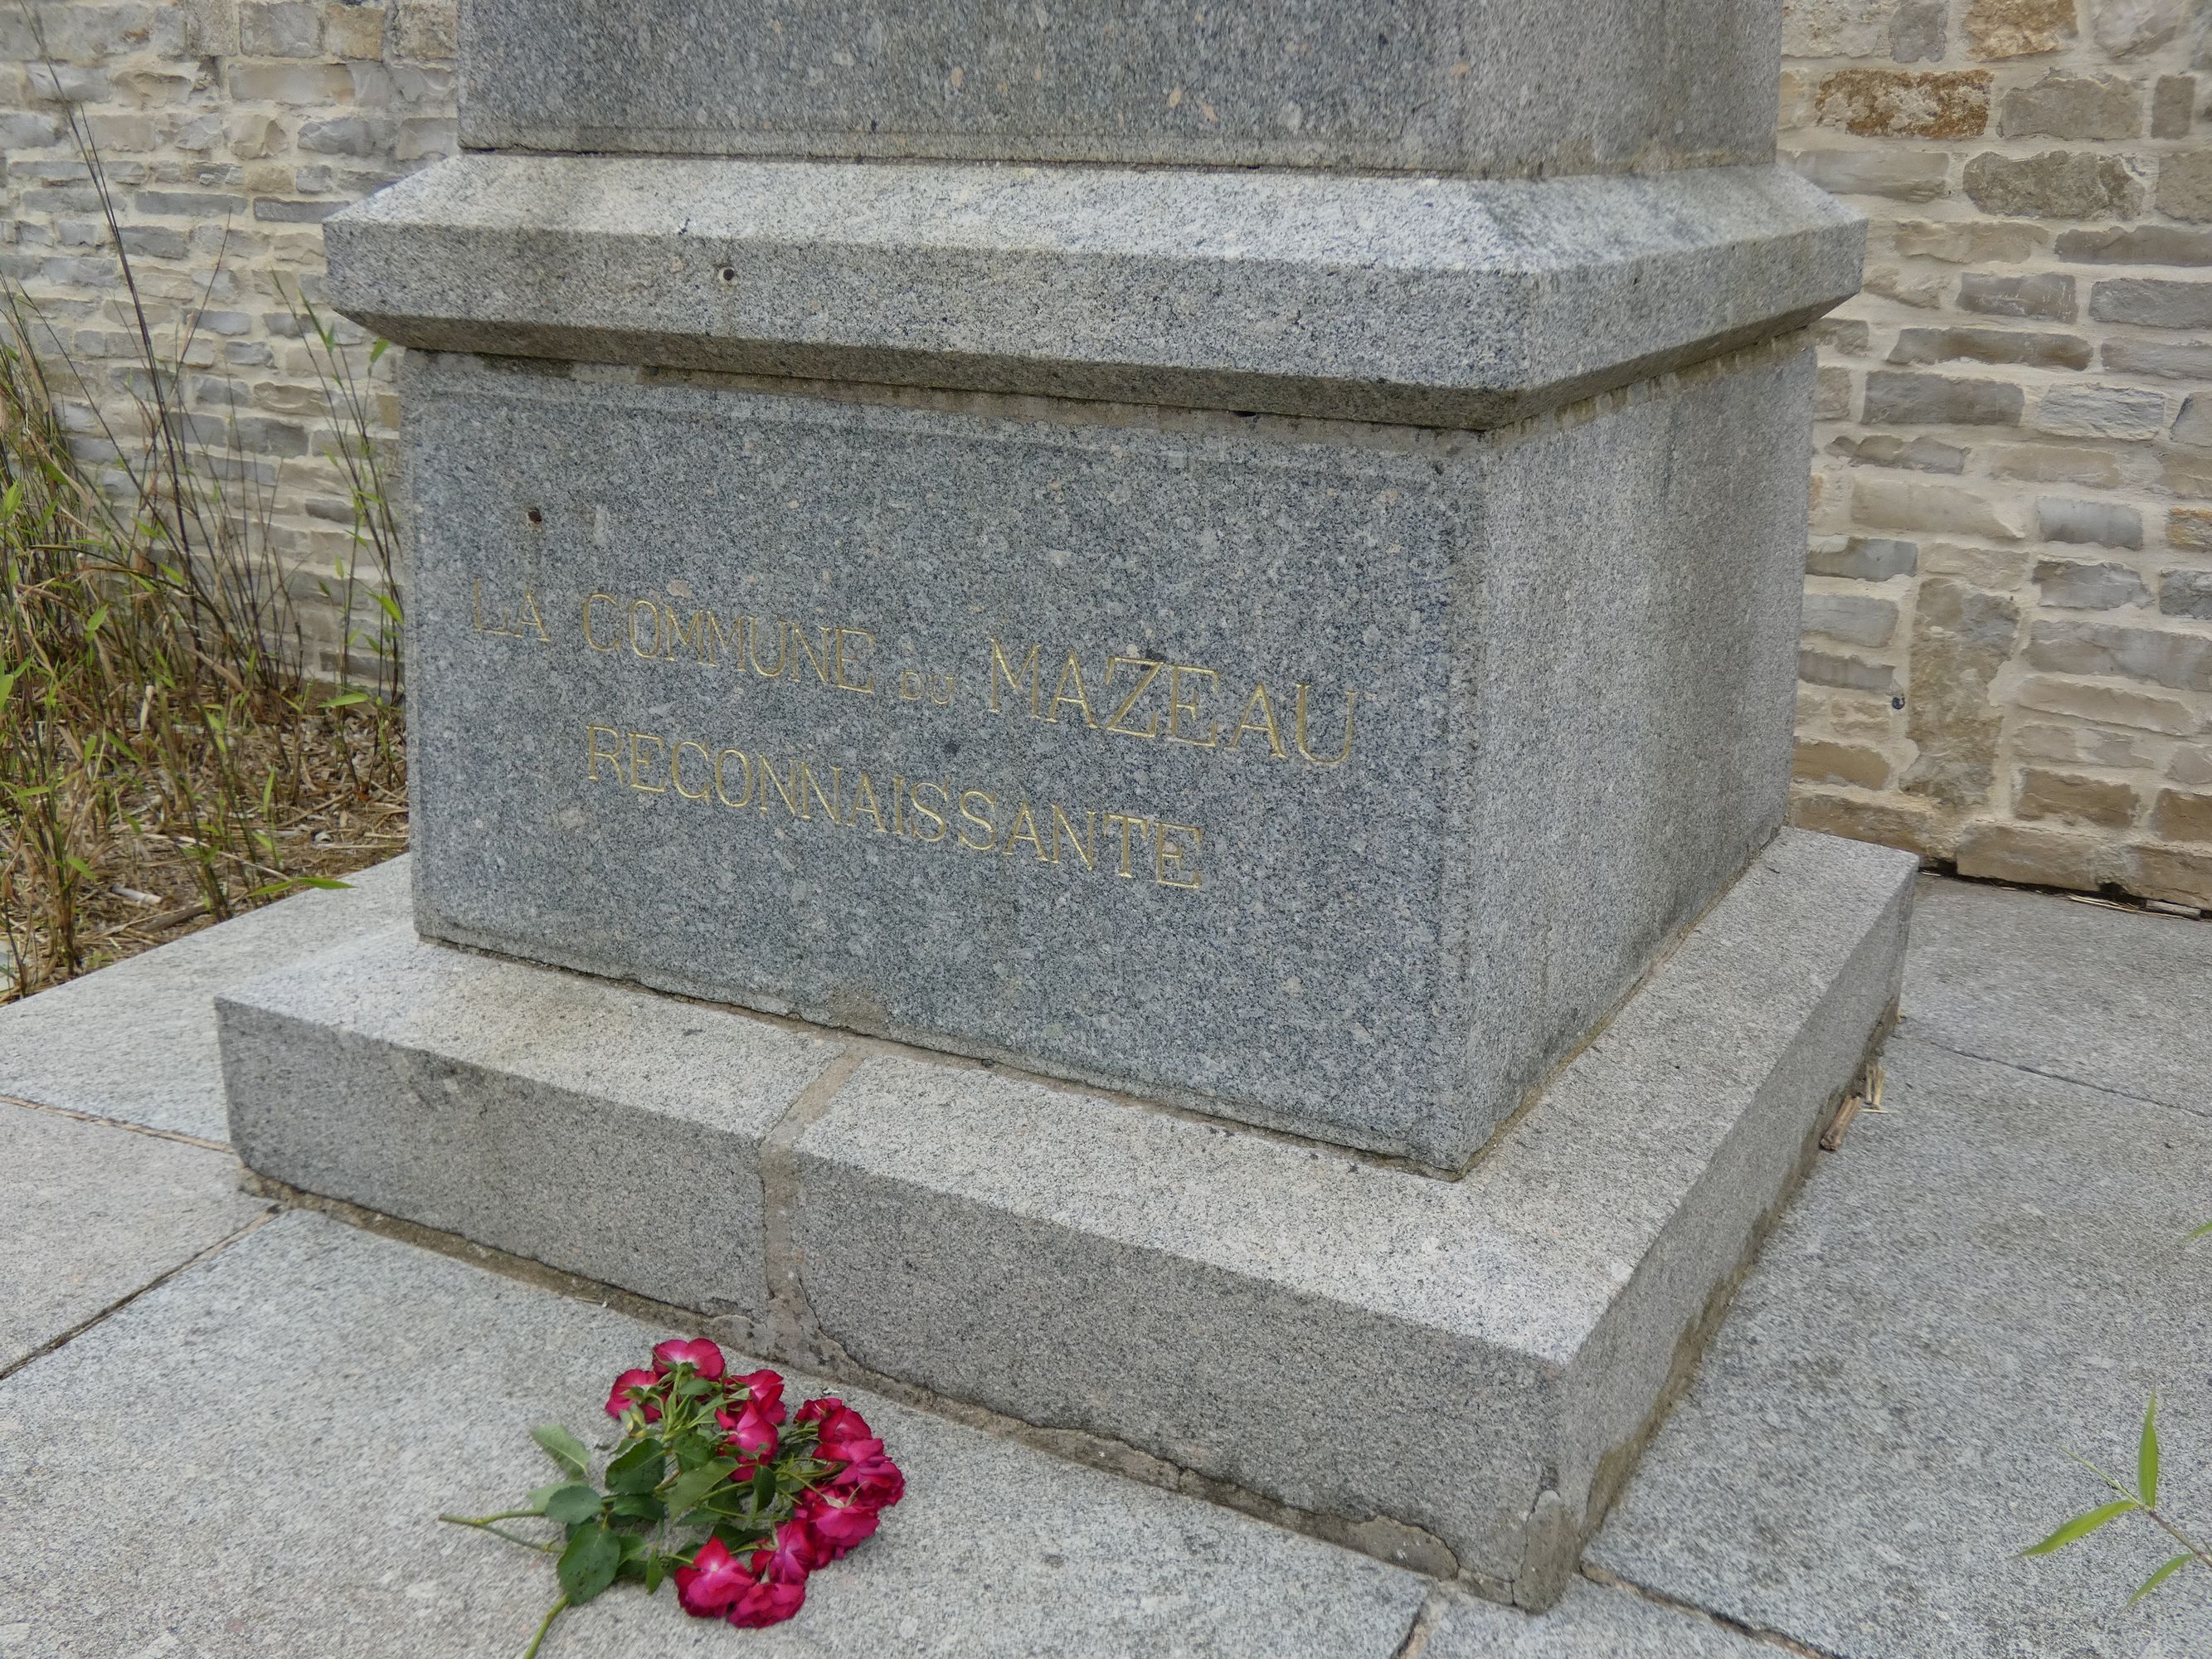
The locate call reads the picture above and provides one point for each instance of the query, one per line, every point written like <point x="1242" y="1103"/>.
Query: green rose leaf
<point x="563" y="1448"/>
<point x="685" y="1495"/>
<point x="2081" y="1526"/>
<point x="637" y="1469"/>
<point x="637" y="1506"/>
<point x="571" y="1504"/>
<point x="588" y="1565"/>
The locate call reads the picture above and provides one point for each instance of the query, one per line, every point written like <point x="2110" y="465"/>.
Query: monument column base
<point x="1455" y="1374"/>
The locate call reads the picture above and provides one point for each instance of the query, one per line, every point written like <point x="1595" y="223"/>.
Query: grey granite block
<point x="1547" y="677"/>
<point x="1986" y="1277"/>
<point x="323" y="1393"/>
<point x="1590" y="1622"/>
<point x="2074" y="990"/>
<point x="1560" y="86"/>
<point x="1437" y="301"/>
<point x="137" y="1041"/>
<point x="1248" y="1307"/>
<point x="601" y="1131"/>
<point x="90" y="1215"/>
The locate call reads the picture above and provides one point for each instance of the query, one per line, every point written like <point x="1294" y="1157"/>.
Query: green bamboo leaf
<point x="2147" y="1457"/>
<point x="2160" y="1577"/>
<point x="2081" y="1526"/>
<point x="563" y="1448"/>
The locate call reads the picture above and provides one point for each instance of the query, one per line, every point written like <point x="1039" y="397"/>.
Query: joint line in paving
<point x="1926" y="1041"/>
<point x="115" y="1123"/>
<point x="153" y="1284"/>
<point x="1760" y="1633"/>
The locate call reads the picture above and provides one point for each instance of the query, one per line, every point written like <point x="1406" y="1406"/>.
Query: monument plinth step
<point x="1458" y="1373"/>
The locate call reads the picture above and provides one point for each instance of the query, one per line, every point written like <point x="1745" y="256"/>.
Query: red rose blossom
<point x="840" y="1526"/>
<point x="751" y="1434"/>
<point x="703" y="1356"/>
<point x="796" y="1551"/>
<point x="874" y="1481"/>
<point x="769" y="1602"/>
<point x="713" y="1580"/>
<point x="619" y="1400"/>
<point x="763" y="1389"/>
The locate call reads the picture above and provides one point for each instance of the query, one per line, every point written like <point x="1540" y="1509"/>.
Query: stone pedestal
<point x="945" y="544"/>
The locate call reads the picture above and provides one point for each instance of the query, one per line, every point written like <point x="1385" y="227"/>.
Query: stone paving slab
<point x="323" y="1393"/>
<point x="90" y="1214"/>
<point x="1590" y="1622"/>
<point x="1987" y="1275"/>
<point x="136" y="1041"/>
<point x="2115" y="999"/>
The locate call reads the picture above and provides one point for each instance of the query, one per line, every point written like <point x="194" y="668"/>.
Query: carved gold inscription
<point x="1243" y="718"/>
<point x="929" y="811"/>
<point x="1155" y="700"/>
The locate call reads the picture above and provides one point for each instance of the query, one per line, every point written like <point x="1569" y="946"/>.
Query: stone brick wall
<point x="229" y="130"/>
<point x="2007" y="652"/>
<point x="2007" y="659"/>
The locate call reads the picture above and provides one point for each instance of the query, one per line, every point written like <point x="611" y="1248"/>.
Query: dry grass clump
<point x="165" y="757"/>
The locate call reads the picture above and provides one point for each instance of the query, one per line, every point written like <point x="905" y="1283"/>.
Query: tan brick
<point x="2189" y="476"/>
<point x="426" y="29"/>
<point x="354" y="31"/>
<point x="311" y="86"/>
<point x="1962" y="638"/>
<point x="2182" y="817"/>
<point x="2082" y="745"/>
<point x="2175" y="874"/>
<point x="2062" y="106"/>
<point x="1819" y="762"/>
<point x="2145" y="711"/>
<point x="2185" y="186"/>
<point x="1927" y="289"/>
<point x="2172" y="106"/>
<point x="1971" y="241"/>
<point x="1886" y="103"/>
<point x="2055" y="463"/>
<point x="1902" y="504"/>
<point x="1894" y="821"/>
<point x="2190" y="527"/>
<point x="2057" y="185"/>
<point x="2038" y="794"/>
<point x="2017" y="29"/>
<point x="1795" y="99"/>
<point x="2033" y="857"/>
<point x="1998" y="568"/>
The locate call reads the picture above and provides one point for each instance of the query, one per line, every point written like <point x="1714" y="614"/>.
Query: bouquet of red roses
<point x="712" y="1484"/>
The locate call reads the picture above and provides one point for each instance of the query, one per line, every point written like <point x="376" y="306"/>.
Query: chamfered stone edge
<point x="1425" y="301"/>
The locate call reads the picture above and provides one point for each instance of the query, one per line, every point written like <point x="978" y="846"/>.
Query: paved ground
<point x="223" y="1431"/>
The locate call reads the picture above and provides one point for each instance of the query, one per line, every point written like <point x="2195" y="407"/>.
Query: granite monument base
<point x="1456" y="1374"/>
